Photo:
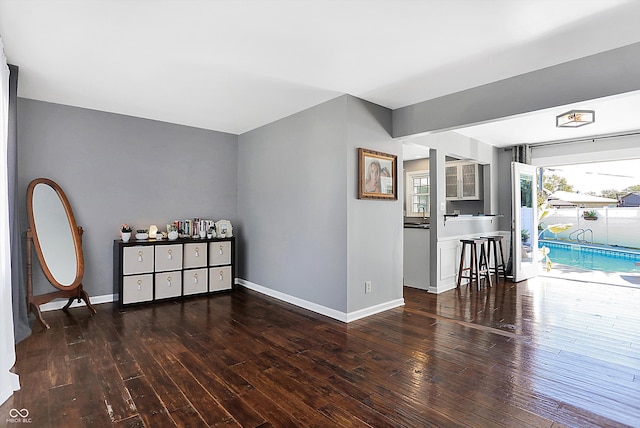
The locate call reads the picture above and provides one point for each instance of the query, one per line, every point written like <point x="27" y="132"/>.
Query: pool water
<point x="593" y="257"/>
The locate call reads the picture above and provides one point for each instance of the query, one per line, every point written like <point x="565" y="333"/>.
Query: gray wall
<point x="292" y="200"/>
<point x="119" y="169"/>
<point x="503" y="171"/>
<point x="310" y="238"/>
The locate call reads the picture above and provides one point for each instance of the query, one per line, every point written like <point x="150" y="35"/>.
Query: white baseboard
<point x="314" y="307"/>
<point x="372" y="310"/>
<point x="59" y="303"/>
<point x="322" y="310"/>
<point x="440" y="290"/>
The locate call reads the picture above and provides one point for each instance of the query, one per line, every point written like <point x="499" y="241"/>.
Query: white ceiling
<point x="613" y="115"/>
<point x="235" y="65"/>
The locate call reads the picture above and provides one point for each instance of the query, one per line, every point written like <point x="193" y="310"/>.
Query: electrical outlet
<point x="367" y="287"/>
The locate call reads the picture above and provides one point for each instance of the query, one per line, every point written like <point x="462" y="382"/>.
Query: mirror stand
<point x="34" y="302"/>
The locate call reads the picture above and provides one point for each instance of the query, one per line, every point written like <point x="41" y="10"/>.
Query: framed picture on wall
<point x="377" y="175"/>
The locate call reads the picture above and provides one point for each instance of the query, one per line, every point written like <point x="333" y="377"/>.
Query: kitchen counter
<point x="416" y="256"/>
<point x="460" y="225"/>
<point x="448" y="217"/>
<point x="416" y="225"/>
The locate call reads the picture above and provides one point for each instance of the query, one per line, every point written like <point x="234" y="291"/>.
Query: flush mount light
<point x="575" y="118"/>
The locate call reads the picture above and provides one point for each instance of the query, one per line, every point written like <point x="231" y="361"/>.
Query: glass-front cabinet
<point x="461" y="181"/>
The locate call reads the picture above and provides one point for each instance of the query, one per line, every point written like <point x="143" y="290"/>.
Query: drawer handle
<point x="139" y="285"/>
<point x="168" y="281"/>
<point x="197" y="252"/>
<point x="221" y="277"/>
<point x="140" y="256"/>
<point x="169" y="254"/>
<point x="195" y="278"/>
<point x="220" y="249"/>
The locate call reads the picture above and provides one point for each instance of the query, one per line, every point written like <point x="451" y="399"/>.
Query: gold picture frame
<point x="377" y="175"/>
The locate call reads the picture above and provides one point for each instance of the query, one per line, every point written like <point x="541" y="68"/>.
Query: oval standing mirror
<point x="55" y="234"/>
<point x="57" y="242"/>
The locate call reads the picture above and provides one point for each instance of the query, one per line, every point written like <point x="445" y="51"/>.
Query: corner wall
<point x="309" y="240"/>
<point x="291" y="200"/>
<point x="375" y="227"/>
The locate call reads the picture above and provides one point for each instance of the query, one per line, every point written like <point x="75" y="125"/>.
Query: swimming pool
<point x="593" y="257"/>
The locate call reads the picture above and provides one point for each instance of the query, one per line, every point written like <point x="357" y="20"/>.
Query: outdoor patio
<point x="577" y="274"/>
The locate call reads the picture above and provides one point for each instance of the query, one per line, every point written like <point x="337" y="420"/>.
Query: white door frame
<point x="524" y="221"/>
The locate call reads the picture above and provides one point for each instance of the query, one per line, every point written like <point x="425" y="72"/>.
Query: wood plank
<point x="150" y="408"/>
<point x="63" y="411"/>
<point x="209" y="409"/>
<point x="171" y="396"/>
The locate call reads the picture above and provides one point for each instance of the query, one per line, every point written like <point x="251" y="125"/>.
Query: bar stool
<point x="478" y="266"/>
<point x="498" y="264"/>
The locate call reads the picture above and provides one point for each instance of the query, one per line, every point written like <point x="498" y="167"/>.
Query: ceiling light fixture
<point x="575" y="118"/>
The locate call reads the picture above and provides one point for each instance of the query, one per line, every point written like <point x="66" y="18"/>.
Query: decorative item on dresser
<point x="224" y="229"/>
<point x="151" y="270"/>
<point x="125" y="232"/>
<point x="172" y="232"/>
<point x="142" y="234"/>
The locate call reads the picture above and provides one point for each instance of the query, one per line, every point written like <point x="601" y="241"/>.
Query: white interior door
<point x="525" y="221"/>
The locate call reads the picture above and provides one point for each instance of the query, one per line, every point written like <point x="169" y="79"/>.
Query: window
<point x="418" y="191"/>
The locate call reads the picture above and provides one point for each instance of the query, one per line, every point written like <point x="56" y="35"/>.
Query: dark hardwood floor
<point x="542" y="353"/>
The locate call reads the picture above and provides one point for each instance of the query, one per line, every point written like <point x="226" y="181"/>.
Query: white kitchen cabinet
<point x="462" y="181"/>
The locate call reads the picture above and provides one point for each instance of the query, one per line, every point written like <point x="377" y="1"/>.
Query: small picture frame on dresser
<point x="224" y="229"/>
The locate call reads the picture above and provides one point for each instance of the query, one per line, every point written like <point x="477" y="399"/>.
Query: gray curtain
<point x="21" y="324"/>
<point x="521" y="154"/>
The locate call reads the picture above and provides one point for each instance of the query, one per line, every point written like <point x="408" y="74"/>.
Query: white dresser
<point x="148" y="271"/>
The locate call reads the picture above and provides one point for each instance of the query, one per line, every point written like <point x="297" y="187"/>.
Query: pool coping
<point x="573" y="273"/>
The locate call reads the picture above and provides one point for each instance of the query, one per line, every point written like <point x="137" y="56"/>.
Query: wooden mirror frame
<point x="72" y="291"/>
